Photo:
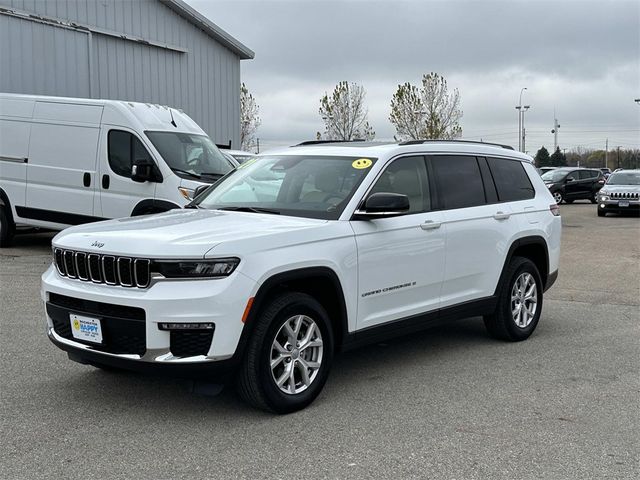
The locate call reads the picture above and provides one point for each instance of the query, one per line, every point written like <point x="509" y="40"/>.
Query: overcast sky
<point x="580" y="57"/>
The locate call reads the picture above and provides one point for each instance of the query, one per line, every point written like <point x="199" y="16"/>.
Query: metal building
<point x="154" y="51"/>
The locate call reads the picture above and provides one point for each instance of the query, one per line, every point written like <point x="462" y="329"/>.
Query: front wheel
<point x="602" y="213"/>
<point x="558" y="197"/>
<point x="519" y="303"/>
<point x="289" y="355"/>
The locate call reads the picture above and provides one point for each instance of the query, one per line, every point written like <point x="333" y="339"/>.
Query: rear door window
<point x="512" y="182"/>
<point x="458" y="180"/>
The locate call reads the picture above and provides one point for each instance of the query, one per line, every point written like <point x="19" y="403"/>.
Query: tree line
<point x="427" y="111"/>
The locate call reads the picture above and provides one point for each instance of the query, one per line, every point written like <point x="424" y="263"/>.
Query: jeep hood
<point x="177" y="233"/>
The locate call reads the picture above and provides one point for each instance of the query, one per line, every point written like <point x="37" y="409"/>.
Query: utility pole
<point x="556" y="126"/>
<point x="258" y="144"/>
<point x="520" y="119"/>
<point x="524" y="135"/>
<point x="618" y="157"/>
<point x="606" y="153"/>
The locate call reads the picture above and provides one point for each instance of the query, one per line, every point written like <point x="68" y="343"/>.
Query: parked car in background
<point x="569" y="183"/>
<point x="309" y="251"/>
<point x="543" y="170"/>
<point x="621" y="193"/>
<point x="239" y="155"/>
<point x="67" y="161"/>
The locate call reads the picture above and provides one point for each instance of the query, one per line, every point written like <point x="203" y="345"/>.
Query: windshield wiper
<point x="194" y="175"/>
<point x="250" y="209"/>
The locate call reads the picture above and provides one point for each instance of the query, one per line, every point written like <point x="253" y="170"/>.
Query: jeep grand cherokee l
<point x="305" y="252"/>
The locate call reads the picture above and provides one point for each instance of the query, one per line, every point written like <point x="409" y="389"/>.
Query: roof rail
<point x="418" y="142"/>
<point x="320" y="142"/>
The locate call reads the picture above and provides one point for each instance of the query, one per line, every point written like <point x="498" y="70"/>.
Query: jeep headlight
<point x="603" y="197"/>
<point x="220" y="267"/>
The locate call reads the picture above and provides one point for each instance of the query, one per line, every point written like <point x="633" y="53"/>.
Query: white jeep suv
<point x="305" y="252"/>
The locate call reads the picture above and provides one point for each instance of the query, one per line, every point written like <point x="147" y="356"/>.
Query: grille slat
<point x="626" y="195"/>
<point x="109" y="269"/>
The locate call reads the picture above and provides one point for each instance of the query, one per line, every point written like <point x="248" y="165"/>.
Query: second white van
<point x="68" y="161"/>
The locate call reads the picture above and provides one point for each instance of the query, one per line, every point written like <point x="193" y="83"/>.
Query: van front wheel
<point x="7" y="228"/>
<point x="288" y="356"/>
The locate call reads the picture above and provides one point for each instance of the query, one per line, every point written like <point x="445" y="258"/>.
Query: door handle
<point x="86" y="179"/>
<point x="501" y="215"/>
<point x="105" y="181"/>
<point x="430" y="225"/>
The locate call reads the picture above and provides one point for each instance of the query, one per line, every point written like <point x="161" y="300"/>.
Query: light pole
<point x="524" y="133"/>
<point x="519" y="108"/>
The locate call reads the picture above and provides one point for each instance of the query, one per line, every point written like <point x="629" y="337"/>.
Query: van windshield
<point x="297" y="185"/>
<point x="191" y="156"/>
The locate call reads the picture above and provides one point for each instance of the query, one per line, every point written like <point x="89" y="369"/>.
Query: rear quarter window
<point x="512" y="181"/>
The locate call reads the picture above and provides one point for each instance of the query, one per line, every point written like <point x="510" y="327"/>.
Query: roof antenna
<point x="173" y="122"/>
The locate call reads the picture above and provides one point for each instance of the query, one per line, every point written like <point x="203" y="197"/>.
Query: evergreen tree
<point x="558" y="159"/>
<point x="542" y="158"/>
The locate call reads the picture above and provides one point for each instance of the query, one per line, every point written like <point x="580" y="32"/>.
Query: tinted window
<point x="511" y="180"/>
<point x="588" y="174"/>
<point x="459" y="181"/>
<point x="407" y="176"/>
<point x="123" y="148"/>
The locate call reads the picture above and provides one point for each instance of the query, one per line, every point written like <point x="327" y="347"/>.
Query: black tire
<point x="256" y="384"/>
<point x="593" y="198"/>
<point x="501" y="324"/>
<point x="602" y="213"/>
<point x="7" y="228"/>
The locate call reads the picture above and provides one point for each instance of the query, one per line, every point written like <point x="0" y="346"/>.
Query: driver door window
<point x="123" y="149"/>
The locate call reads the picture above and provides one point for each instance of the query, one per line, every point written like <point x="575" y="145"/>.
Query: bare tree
<point x="431" y="112"/>
<point x="344" y="113"/>
<point x="249" y="119"/>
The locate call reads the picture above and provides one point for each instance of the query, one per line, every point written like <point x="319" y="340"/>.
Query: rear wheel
<point x="558" y="197"/>
<point x="7" y="228"/>
<point x="519" y="303"/>
<point x="289" y="355"/>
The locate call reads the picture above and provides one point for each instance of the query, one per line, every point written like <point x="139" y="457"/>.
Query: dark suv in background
<point x="570" y="183"/>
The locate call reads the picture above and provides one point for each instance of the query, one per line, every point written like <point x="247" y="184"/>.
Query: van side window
<point x="458" y="180"/>
<point x="123" y="149"/>
<point x="511" y="180"/>
<point x="406" y="176"/>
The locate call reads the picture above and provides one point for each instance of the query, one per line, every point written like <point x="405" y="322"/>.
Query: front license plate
<point x="85" y="328"/>
<point x="623" y="203"/>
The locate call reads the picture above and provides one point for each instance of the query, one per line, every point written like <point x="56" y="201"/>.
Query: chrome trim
<point x="55" y="260"/>
<point x="119" y="267"/>
<point x="153" y="355"/>
<point x="66" y="267"/>
<point x="76" y="255"/>
<point x="99" y="280"/>
<point x="104" y="270"/>
<point x="135" y="272"/>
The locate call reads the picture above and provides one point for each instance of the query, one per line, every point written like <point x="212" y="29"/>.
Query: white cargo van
<point x="67" y="161"/>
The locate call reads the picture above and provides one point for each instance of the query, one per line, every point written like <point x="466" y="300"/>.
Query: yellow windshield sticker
<point x="362" y="163"/>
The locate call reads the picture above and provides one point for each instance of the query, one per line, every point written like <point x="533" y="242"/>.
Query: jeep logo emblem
<point x="97" y="244"/>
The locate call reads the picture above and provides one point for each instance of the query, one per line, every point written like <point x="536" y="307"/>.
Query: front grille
<point x="93" y="267"/>
<point x="189" y="344"/>
<point x="123" y="328"/>
<point x="626" y="195"/>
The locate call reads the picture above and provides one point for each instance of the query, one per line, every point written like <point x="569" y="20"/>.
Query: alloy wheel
<point x="524" y="300"/>
<point x="296" y="354"/>
<point x="557" y="197"/>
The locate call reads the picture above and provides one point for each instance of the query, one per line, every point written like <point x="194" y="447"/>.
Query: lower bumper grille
<point x="123" y="328"/>
<point x="189" y="344"/>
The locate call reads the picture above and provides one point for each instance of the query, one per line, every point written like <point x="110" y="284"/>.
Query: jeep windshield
<point x="624" y="178"/>
<point x="191" y="156"/>
<point x="298" y="185"/>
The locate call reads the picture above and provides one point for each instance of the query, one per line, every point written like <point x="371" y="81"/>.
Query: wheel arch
<point x="322" y="283"/>
<point x="532" y="247"/>
<point x="4" y="202"/>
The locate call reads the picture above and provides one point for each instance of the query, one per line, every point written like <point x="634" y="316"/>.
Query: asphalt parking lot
<point x="449" y="403"/>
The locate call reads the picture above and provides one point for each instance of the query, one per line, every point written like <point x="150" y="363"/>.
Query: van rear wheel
<point x="289" y="354"/>
<point x="7" y="228"/>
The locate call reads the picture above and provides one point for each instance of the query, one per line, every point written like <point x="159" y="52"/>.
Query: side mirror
<point x="142" y="170"/>
<point x="199" y="190"/>
<point x="571" y="179"/>
<point x="382" y="205"/>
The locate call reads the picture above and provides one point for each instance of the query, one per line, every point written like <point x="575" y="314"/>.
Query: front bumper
<point x="613" y="205"/>
<point x="217" y="301"/>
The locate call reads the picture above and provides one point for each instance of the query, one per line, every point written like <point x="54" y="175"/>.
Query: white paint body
<point x="48" y="144"/>
<point x="457" y="262"/>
